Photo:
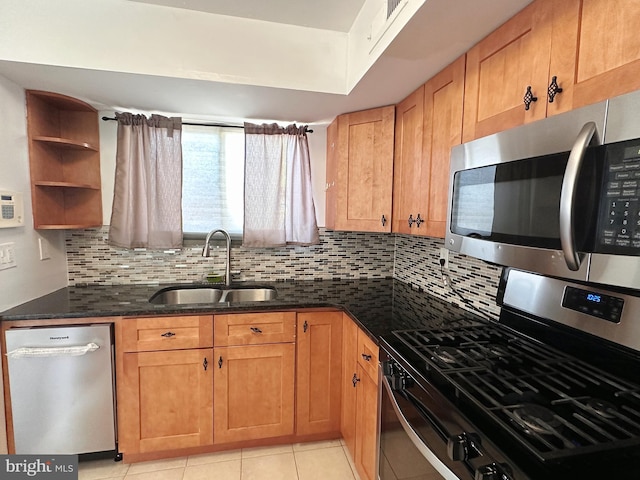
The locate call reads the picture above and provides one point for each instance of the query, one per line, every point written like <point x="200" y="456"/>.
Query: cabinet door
<point x="407" y="162"/>
<point x="331" y="195"/>
<point x="365" y="170"/>
<point x="166" y="400"/>
<point x="349" y="366"/>
<point x="253" y="392"/>
<point x="501" y="67"/>
<point x="443" y="103"/>
<point x="366" y="457"/>
<point x="319" y="361"/>
<point x="596" y="51"/>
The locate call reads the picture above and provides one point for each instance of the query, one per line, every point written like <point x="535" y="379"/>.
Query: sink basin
<point x="248" y="295"/>
<point x="211" y="294"/>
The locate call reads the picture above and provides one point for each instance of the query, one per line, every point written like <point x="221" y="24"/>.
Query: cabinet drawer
<point x="167" y="333"/>
<point x="368" y="355"/>
<point x="254" y="328"/>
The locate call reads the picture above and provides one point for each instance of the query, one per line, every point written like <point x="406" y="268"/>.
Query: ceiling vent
<point x="391" y="6"/>
<point x="388" y="12"/>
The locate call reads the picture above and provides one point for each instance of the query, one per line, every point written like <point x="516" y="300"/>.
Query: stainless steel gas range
<point x="549" y="391"/>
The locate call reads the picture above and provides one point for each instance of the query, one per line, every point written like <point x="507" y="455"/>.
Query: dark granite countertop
<point x="378" y="305"/>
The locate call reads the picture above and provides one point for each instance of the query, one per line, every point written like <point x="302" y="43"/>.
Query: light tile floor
<point x="300" y="461"/>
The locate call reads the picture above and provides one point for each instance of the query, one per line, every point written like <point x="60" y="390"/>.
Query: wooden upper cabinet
<point x="589" y="47"/>
<point x="428" y="124"/>
<point x="443" y="104"/>
<point x="64" y="161"/>
<point x="407" y="163"/>
<point x="596" y="51"/>
<point x="364" y="170"/>
<point x="501" y="67"/>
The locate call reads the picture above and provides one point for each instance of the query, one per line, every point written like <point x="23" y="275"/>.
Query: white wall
<point x="108" y="131"/>
<point x="31" y="277"/>
<point x="132" y="37"/>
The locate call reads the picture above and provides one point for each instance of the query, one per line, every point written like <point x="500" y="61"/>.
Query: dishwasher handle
<point x="69" y="351"/>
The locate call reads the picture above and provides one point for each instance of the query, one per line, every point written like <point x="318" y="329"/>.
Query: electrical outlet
<point x="444" y="255"/>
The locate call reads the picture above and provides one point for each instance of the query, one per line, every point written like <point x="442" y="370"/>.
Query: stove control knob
<point x="463" y="447"/>
<point x="494" y="471"/>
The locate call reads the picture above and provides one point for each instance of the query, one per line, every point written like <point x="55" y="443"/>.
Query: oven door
<point x="412" y="445"/>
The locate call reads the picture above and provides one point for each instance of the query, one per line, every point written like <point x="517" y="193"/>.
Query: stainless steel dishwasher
<point x="61" y="385"/>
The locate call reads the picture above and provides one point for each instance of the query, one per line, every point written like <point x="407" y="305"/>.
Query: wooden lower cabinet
<point x="366" y="452"/>
<point x="166" y="400"/>
<point x="318" y="372"/>
<point x="253" y="392"/>
<point x="360" y="399"/>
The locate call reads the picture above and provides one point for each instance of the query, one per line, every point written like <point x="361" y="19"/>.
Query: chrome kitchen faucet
<point x="205" y="252"/>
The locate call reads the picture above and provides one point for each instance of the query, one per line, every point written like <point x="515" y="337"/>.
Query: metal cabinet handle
<point x="256" y="330"/>
<point x="220" y="362"/>
<point x="411" y="221"/>
<point x="305" y="325"/>
<point x="553" y="89"/>
<point x="567" y="194"/>
<point x="366" y="357"/>
<point x="528" y="98"/>
<point x="205" y="364"/>
<point x="168" y="334"/>
<point x="383" y="220"/>
<point x="355" y="380"/>
<point x="419" y="221"/>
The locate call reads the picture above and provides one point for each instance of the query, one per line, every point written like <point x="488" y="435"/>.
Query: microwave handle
<point x="567" y="195"/>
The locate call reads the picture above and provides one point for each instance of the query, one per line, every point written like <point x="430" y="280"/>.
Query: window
<point x="212" y="179"/>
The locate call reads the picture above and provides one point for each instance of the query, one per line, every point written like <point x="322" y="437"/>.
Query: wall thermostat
<point x="12" y="209"/>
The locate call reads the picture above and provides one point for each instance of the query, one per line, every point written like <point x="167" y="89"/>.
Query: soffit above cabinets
<point x="241" y="62"/>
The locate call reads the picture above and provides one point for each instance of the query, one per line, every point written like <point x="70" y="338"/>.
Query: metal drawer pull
<point x="256" y="330"/>
<point x="366" y="357"/>
<point x="383" y="220"/>
<point x="305" y="326"/>
<point x="205" y="364"/>
<point x="220" y="362"/>
<point x="355" y="380"/>
<point x="168" y="334"/>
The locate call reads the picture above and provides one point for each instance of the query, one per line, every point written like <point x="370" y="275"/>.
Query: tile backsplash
<point x="413" y="260"/>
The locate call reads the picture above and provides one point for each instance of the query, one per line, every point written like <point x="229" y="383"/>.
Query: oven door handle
<point x="415" y="438"/>
<point x="567" y="196"/>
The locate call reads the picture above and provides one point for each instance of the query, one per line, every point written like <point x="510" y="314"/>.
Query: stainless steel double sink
<point x="185" y="294"/>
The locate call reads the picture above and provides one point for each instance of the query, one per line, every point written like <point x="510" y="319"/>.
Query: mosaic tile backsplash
<point x="413" y="260"/>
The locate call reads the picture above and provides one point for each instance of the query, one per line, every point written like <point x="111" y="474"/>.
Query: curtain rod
<point x="198" y="124"/>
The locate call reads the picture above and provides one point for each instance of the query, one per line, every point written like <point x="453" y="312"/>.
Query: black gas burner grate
<point x="553" y="404"/>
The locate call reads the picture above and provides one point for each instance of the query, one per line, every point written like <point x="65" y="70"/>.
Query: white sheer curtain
<point x="278" y="200"/>
<point x="147" y="208"/>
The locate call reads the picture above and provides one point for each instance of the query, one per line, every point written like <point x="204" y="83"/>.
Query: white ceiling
<point x="437" y="34"/>
<point x="335" y="15"/>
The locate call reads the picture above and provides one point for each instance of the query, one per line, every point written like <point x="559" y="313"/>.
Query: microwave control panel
<point x="619" y="215"/>
<point x="11" y="209"/>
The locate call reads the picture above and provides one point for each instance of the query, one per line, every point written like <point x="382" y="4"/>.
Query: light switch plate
<point x="7" y="255"/>
<point x="43" y="244"/>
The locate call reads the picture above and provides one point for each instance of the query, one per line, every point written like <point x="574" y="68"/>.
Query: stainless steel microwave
<point x="560" y="196"/>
